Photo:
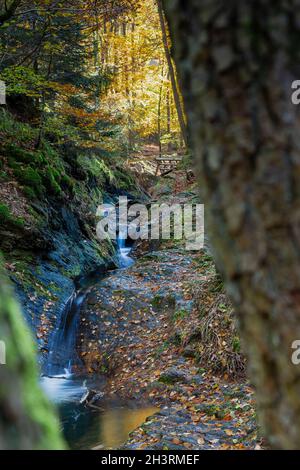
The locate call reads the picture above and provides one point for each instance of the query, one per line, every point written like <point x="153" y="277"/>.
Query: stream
<point x="84" y="427"/>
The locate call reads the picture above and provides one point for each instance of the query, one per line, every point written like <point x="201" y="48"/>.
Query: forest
<point x="125" y="332"/>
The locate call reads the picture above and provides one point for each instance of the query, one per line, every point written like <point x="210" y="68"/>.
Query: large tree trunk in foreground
<point x="236" y="62"/>
<point x="26" y="418"/>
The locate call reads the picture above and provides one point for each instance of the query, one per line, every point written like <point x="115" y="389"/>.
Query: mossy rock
<point x="124" y="180"/>
<point x="173" y="376"/>
<point x="161" y="302"/>
<point x="30" y="192"/>
<point x="4" y="213"/>
<point x="8" y="219"/>
<point x="67" y="182"/>
<point x="19" y="155"/>
<point x="51" y="180"/>
<point x="30" y="177"/>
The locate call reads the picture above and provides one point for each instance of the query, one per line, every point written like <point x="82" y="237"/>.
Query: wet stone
<point x="173" y="375"/>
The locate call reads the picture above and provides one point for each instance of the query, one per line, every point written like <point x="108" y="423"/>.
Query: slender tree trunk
<point x="159" y="118"/>
<point x="97" y="61"/>
<point x="169" y="117"/>
<point x="172" y="72"/>
<point x="236" y="62"/>
<point x="43" y="110"/>
<point x="132" y="84"/>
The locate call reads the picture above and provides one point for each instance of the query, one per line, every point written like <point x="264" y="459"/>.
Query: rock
<point x="174" y="375"/>
<point x="189" y="351"/>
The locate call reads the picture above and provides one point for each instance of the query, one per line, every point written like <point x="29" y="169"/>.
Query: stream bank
<point x="143" y="340"/>
<point x="69" y="385"/>
<point x="49" y="196"/>
<point x="162" y="334"/>
<point x="140" y="328"/>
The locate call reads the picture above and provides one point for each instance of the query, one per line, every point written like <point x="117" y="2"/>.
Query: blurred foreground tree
<point x="236" y="61"/>
<point x="27" y="421"/>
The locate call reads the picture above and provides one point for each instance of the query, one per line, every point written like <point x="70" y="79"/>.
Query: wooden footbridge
<point x="166" y="164"/>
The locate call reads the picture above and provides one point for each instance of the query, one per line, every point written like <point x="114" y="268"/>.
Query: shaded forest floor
<point x="163" y="333"/>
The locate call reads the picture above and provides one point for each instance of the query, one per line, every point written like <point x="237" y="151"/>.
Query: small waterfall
<point x="62" y="356"/>
<point x="84" y="427"/>
<point x="124" y="251"/>
<point x="59" y="381"/>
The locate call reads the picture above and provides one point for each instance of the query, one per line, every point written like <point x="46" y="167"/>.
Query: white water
<point x="63" y="388"/>
<point x="125" y="260"/>
<point x="84" y="427"/>
<point x="59" y="383"/>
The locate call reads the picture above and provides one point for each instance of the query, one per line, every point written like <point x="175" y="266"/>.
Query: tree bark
<point x="236" y="62"/>
<point x="9" y="12"/>
<point x="159" y="117"/>
<point x="172" y="73"/>
<point x="26" y="418"/>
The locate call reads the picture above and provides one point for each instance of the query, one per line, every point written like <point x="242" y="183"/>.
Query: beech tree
<point x="236" y="62"/>
<point x="172" y="72"/>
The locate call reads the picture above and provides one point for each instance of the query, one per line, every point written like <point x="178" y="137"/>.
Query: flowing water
<point x="83" y="427"/>
<point x="123" y="250"/>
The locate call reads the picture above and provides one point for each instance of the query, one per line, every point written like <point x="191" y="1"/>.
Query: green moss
<point x="4" y="176"/>
<point x="160" y="349"/>
<point x="37" y="170"/>
<point x="5" y="214"/>
<point x="95" y="166"/>
<point x="236" y="344"/>
<point x="7" y="218"/>
<point x="157" y="301"/>
<point x="29" y="192"/>
<point x="162" y="302"/>
<point x="19" y="222"/>
<point x="51" y="179"/>
<point x="124" y="180"/>
<point x="11" y="128"/>
<point x="213" y="410"/>
<point x="67" y="182"/>
<point x="180" y="314"/>
<point x="30" y="177"/>
<point x="20" y="155"/>
<point x="24" y="272"/>
<point x="73" y="272"/>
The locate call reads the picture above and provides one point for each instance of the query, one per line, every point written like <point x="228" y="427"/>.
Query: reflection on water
<point x="86" y="428"/>
<point x="83" y="427"/>
<point x="117" y="424"/>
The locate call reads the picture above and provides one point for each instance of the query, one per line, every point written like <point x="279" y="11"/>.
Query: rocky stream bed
<point x="146" y="356"/>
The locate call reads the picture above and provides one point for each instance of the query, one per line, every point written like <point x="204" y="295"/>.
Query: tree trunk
<point x="159" y="118"/>
<point x="236" y="62"/>
<point x="168" y="106"/>
<point x="172" y="73"/>
<point x="9" y="11"/>
<point x="26" y="418"/>
<point x="42" y="123"/>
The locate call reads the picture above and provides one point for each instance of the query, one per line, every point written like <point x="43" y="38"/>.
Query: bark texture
<point x="236" y="62"/>
<point x="27" y="421"/>
<point x="172" y="73"/>
<point x="9" y="11"/>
